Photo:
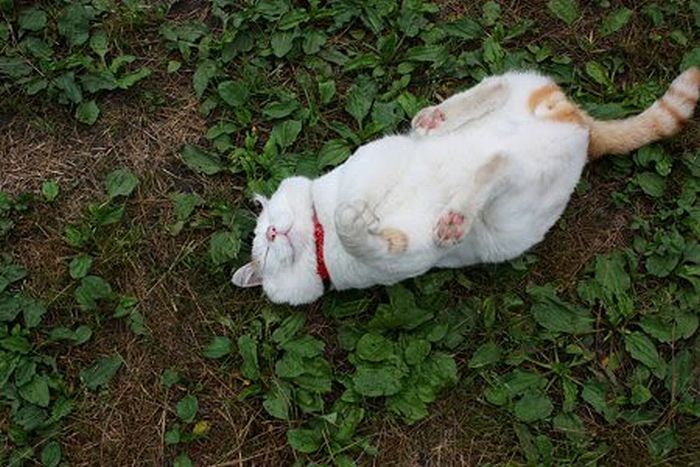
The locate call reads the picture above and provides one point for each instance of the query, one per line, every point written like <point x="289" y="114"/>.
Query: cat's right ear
<point x="261" y="200"/>
<point x="247" y="276"/>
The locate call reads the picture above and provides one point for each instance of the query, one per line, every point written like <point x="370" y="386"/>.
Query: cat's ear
<point x="261" y="200"/>
<point x="247" y="276"/>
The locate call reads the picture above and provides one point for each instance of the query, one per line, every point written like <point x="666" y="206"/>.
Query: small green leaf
<point x="281" y="109"/>
<point x="80" y="335"/>
<point x="183" y="460"/>
<point x="615" y="21"/>
<point x="662" y="443"/>
<point x="570" y="424"/>
<point x="289" y="328"/>
<point x="313" y="41"/>
<point x="332" y="153"/>
<point x="120" y="182"/>
<point x="285" y="133"/>
<point x="598" y="73"/>
<point x="173" y="66"/>
<point x="234" y="93"/>
<point x="169" y="377"/>
<point x="51" y="454"/>
<point x="200" y="160"/>
<point x="87" y="112"/>
<point x="326" y="91"/>
<point x="187" y="408"/>
<point x="36" y="391"/>
<point x="642" y="348"/>
<point x="172" y="436"/>
<point x="99" y="43"/>
<point x="80" y="265"/>
<point x="432" y="53"/>
<point x="125" y="307"/>
<point x="594" y="392"/>
<point x="304" y="440"/>
<point x="91" y="289"/>
<point x="49" y="190"/>
<point x="32" y="19"/>
<point x="224" y="246"/>
<point x="416" y="351"/>
<point x="556" y="315"/>
<point x="15" y="67"/>
<point x="74" y="23"/>
<point x="248" y="349"/>
<point x="651" y="183"/>
<point x="491" y="12"/>
<point x="71" y="90"/>
<point x="101" y="372"/>
<point x="205" y="71"/>
<point x="305" y="346"/>
<point x="464" y="28"/>
<point x="373" y="382"/>
<point x="493" y="51"/>
<point x="532" y="407"/>
<point x="487" y="354"/>
<point x="686" y="324"/>
<point x="640" y="394"/>
<point x="359" y="99"/>
<point x="691" y="58"/>
<point x="520" y="382"/>
<point x="129" y="79"/>
<point x="32" y="312"/>
<point x="374" y="348"/>
<point x="386" y="114"/>
<point x="292" y="18"/>
<point x="218" y="347"/>
<point x="289" y="366"/>
<point x="277" y="402"/>
<point x="282" y="42"/>
<point x="565" y="10"/>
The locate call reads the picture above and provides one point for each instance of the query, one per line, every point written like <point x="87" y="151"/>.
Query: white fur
<point x="407" y="182"/>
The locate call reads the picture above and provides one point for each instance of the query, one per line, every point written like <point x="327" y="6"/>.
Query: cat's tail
<point x="664" y="118"/>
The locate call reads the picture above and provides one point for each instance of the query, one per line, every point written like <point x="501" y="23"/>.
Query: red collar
<point x="321" y="268"/>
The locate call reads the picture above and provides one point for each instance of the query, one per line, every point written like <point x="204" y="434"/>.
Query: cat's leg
<point x="461" y="211"/>
<point x="361" y="234"/>
<point x="460" y="109"/>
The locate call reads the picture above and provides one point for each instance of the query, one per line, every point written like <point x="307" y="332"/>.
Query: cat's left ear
<point x="247" y="276"/>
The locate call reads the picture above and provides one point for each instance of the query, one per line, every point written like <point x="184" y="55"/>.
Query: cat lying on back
<point x="480" y="179"/>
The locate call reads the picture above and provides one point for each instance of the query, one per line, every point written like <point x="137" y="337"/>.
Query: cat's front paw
<point x="355" y="217"/>
<point x="449" y="229"/>
<point x="428" y="120"/>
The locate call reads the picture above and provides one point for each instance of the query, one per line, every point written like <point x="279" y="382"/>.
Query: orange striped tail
<point x="664" y="118"/>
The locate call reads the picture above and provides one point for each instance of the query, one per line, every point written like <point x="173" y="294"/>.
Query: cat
<point x="481" y="178"/>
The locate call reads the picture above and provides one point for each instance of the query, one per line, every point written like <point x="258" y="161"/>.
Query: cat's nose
<point x="271" y="233"/>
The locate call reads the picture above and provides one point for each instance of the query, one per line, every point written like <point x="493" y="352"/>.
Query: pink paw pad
<point x="449" y="229"/>
<point x="430" y="119"/>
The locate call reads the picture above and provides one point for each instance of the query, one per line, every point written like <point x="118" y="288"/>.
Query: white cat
<point x="481" y="179"/>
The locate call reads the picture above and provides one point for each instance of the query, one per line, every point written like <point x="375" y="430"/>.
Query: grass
<point x="585" y="350"/>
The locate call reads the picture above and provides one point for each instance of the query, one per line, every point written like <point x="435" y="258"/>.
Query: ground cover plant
<point x="133" y="134"/>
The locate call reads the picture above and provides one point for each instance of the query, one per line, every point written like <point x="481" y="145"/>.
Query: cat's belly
<point x="540" y="187"/>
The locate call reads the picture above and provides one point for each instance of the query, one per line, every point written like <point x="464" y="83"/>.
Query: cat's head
<point x="283" y="258"/>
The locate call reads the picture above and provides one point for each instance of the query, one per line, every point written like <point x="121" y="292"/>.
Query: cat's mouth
<point x="281" y="247"/>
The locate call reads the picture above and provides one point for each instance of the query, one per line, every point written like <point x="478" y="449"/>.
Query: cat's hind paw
<point x="428" y="120"/>
<point x="449" y="229"/>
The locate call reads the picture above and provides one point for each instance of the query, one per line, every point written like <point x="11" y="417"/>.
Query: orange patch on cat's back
<point x="550" y="102"/>
<point x="396" y="240"/>
<point x="541" y="95"/>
